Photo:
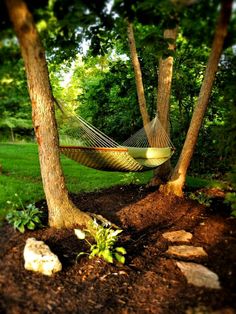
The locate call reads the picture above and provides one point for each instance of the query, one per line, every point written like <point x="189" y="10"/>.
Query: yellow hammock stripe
<point x="118" y="159"/>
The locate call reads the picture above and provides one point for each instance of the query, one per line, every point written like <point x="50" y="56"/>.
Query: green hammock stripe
<point x="150" y="152"/>
<point x="118" y="159"/>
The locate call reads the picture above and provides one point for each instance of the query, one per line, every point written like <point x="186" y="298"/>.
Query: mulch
<point x="148" y="282"/>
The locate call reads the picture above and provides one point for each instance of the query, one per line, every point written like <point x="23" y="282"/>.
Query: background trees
<point x="15" y="119"/>
<point x="100" y="85"/>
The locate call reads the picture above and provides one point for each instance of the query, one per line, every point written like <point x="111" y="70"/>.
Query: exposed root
<point x="172" y="187"/>
<point x="73" y="218"/>
<point x="103" y="220"/>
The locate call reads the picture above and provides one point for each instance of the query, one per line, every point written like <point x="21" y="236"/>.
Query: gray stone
<point x="178" y="236"/>
<point x="207" y="310"/>
<point x="199" y="275"/>
<point x="39" y="258"/>
<point x="186" y="251"/>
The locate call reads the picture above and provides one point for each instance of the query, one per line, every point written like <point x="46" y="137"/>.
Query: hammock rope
<point x="95" y="137"/>
<point x="93" y="148"/>
<point x="152" y="132"/>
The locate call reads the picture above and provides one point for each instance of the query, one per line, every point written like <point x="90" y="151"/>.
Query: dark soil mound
<point x="149" y="282"/>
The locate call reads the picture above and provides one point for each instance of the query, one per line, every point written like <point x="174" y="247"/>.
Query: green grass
<point x="21" y="175"/>
<point x="198" y="183"/>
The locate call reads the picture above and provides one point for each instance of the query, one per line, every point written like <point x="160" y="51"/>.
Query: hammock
<point x="95" y="149"/>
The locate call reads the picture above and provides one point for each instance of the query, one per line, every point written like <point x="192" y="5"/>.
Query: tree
<point x="138" y="75"/>
<point x="163" y="99"/>
<point x="163" y="88"/>
<point x="165" y="79"/>
<point x="62" y="212"/>
<point x="177" y="180"/>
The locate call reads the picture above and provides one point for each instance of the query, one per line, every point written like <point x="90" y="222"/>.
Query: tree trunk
<point x="165" y="80"/>
<point x="163" y="100"/>
<point x="12" y="135"/>
<point x="176" y="183"/>
<point x="62" y="212"/>
<point x="138" y="75"/>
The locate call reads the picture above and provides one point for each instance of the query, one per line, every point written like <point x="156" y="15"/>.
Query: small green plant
<point x="130" y="178"/>
<point x="105" y="238"/>
<point x="231" y="196"/>
<point x="231" y="199"/>
<point x="201" y="197"/>
<point x="27" y="218"/>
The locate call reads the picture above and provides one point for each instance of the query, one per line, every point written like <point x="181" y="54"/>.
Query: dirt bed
<point x="149" y="282"/>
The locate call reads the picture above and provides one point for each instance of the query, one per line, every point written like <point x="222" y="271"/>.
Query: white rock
<point x="186" y="251"/>
<point x="178" y="236"/>
<point x="39" y="258"/>
<point x="199" y="275"/>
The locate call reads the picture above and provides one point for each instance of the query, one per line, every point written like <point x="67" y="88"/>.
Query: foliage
<point x="201" y="198"/>
<point x="108" y="99"/>
<point x="99" y="83"/>
<point x="29" y="217"/>
<point x="105" y="238"/>
<point x="225" y="131"/>
<point x="194" y="183"/>
<point x="109" y="102"/>
<point x="231" y="196"/>
<point x="15" y="120"/>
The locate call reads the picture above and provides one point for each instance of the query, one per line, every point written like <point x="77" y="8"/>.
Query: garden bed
<point x="150" y="280"/>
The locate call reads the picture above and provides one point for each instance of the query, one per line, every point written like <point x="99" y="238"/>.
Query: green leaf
<point x="94" y="252"/>
<point x="121" y="250"/>
<point x="21" y="228"/>
<point x="233" y="213"/>
<point x="107" y="255"/>
<point x="80" y="254"/>
<point x="17" y="223"/>
<point x="115" y="233"/>
<point x="31" y="225"/>
<point x="120" y="258"/>
<point x="37" y="220"/>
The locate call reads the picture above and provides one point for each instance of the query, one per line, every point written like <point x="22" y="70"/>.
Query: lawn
<point x="21" y="175"/>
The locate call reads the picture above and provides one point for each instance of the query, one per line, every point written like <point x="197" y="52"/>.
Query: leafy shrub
<point x="231" y="196"/>
<point x="201" y="197"/>
<point x="105" y="239"/>
<point x="27" y="218"/>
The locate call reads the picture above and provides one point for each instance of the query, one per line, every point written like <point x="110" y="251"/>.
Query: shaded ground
<point x="149" y="282"/>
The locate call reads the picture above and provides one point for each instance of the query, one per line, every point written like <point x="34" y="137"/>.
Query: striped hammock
<point x="118" y="158"/>
<point x="146" y="149"/>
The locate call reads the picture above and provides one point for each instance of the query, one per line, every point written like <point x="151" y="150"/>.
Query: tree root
<point x="73" y="217"/>
<point x="103" y="220"/>
<point x="172" y="187"/>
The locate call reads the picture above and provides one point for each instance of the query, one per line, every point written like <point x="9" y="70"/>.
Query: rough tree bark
<point x="62" y="212"/>
<point x="165" y="80"/>
<point x="177" y="180"/>
<point x="137" y="74"/>
<point x="163" y="100"/>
